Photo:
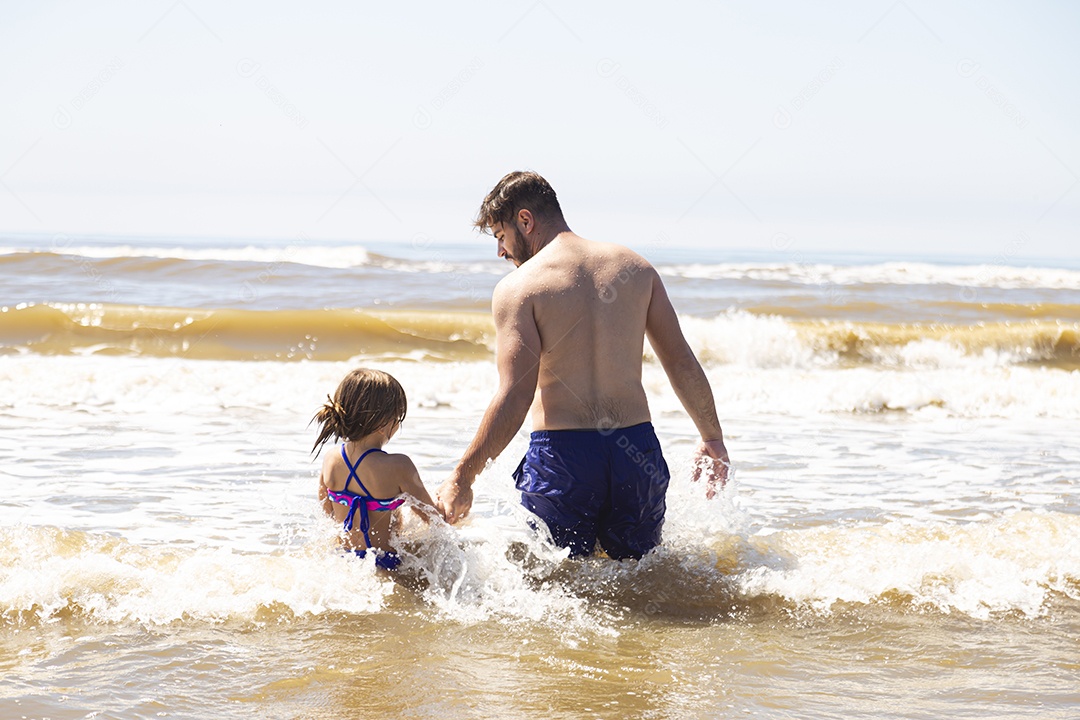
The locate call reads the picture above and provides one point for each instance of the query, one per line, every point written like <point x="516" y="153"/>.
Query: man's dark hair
<point x="517" y="190"/>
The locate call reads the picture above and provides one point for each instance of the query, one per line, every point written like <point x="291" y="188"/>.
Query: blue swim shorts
<point x="597" y="485"/>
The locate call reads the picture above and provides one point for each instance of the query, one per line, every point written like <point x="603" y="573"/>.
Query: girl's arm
<point x="409" y="482"/>
<point x="324" y="497"/>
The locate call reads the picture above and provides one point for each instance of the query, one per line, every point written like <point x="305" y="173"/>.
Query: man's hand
<point x="454" y="498"/>
<point x="711" y="462"/>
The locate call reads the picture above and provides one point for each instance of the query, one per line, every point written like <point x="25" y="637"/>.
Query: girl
<point x="361" y="485"/>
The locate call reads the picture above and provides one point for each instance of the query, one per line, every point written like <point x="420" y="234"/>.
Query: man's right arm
<point x="690" y="384"/>
<point x="517" y="357"/>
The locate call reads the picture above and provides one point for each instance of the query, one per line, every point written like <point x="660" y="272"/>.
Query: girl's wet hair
<point x="364" y="401"/>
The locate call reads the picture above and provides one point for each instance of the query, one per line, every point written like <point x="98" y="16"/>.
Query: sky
<point x="881" y="126"/>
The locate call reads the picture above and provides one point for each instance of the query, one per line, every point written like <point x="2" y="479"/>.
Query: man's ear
<point x="525" y="221"/>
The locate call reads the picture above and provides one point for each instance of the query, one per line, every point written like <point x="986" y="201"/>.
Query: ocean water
<point x="901" y="538"/>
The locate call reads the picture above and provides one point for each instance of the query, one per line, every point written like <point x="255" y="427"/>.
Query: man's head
<point x="516" y="208"/>
<point x="519" y="190"/>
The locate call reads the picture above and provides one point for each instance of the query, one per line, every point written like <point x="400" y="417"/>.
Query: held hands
<point x="454" y="498"/>
<point x="711" y="462"/>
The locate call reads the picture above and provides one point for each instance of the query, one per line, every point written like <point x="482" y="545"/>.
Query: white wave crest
<point x="301" y="254"/>
<point x="890" y="273"/>
<point x="1006" y="564"/>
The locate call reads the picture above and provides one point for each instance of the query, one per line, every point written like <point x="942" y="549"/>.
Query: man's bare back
<point x="590" y="302"/>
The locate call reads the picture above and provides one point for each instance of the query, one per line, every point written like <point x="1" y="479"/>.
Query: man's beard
<point x="521" y="253"/>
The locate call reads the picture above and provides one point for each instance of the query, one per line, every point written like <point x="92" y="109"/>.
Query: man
<point x="570" y="324"/>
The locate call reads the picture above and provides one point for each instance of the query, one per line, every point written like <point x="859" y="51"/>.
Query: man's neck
<point x="545" y="234"/>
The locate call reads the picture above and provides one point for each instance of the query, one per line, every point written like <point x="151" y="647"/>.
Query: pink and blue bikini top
<point x="364" y="503"/>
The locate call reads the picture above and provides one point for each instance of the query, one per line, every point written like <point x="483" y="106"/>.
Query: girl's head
<point x="365" y="401"/>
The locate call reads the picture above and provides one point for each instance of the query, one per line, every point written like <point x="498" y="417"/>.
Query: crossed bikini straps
<point x="364" y="503"/>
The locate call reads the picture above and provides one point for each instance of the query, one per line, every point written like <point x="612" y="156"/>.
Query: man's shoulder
<point x="512" y="285"/>
<point x="513" y="294"/>
<point x="620" y="254"/>
<point x="525" y="279"/>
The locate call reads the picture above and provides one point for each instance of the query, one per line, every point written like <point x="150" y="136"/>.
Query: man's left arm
<point x="517" y="357"/>
<point x="690" y="384"/>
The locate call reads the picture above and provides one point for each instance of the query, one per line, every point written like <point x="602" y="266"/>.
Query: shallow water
<point x="901" y="538"/>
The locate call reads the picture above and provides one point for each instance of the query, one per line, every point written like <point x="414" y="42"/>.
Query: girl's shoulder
<point x="391" y="462"/>
<point x="396" y="472"/>
<point x="333" y="472"/>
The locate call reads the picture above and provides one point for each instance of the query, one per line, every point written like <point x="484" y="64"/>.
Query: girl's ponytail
<point x="331" y="418"/>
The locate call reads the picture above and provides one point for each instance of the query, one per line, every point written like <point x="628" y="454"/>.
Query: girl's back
<point x="363" y="473"/>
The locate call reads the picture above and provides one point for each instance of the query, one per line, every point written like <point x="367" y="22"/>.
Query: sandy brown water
<point x="884" y="661"/>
